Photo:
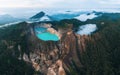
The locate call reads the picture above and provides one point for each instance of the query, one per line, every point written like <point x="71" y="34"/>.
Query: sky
<point x="25" y="7"/>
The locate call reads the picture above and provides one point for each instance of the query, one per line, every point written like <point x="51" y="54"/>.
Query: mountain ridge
<point x="97" y="53"/>
<point x="38" y="15"/>
<point x="6" y="18"/>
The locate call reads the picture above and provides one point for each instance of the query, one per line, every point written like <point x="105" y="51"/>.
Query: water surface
<point x="44" y="35"/>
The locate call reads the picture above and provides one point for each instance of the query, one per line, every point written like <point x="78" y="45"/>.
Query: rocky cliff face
<point x="55" y="58"/>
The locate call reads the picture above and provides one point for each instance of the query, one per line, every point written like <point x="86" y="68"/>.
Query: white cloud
<point x="87" y="29"/>
<point x="85" y="17"/>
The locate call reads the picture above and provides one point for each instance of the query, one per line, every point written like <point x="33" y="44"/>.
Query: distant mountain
<point x="80" y="15"/>
<point x="4" y="19"/>
<point x="45" y="18"/>
<point x="62" y="16"/>
<point x="41" y="16"/>
<point x="38" y="15"/>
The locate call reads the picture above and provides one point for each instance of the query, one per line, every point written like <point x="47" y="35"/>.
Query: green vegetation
<point x="101" y="56"/>
<point x="67" y="23"/>
<point x="10" y="38"/>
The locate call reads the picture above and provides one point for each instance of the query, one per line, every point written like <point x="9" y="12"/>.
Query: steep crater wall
<point x="50" y="57"/>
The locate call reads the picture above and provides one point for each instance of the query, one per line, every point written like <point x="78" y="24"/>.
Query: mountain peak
<point x="38" y="15"/>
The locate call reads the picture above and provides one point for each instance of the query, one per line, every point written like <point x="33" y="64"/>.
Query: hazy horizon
<point x="26" y="8"/>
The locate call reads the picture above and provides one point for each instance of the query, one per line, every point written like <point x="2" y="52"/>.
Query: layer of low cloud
<point x="87" y="29"/>
<point x="85" y="17"/>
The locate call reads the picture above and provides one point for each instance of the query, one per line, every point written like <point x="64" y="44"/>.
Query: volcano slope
<point x="22" y="53"/>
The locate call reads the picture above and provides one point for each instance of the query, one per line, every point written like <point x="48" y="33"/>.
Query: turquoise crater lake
<point x="43" y="34"/>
